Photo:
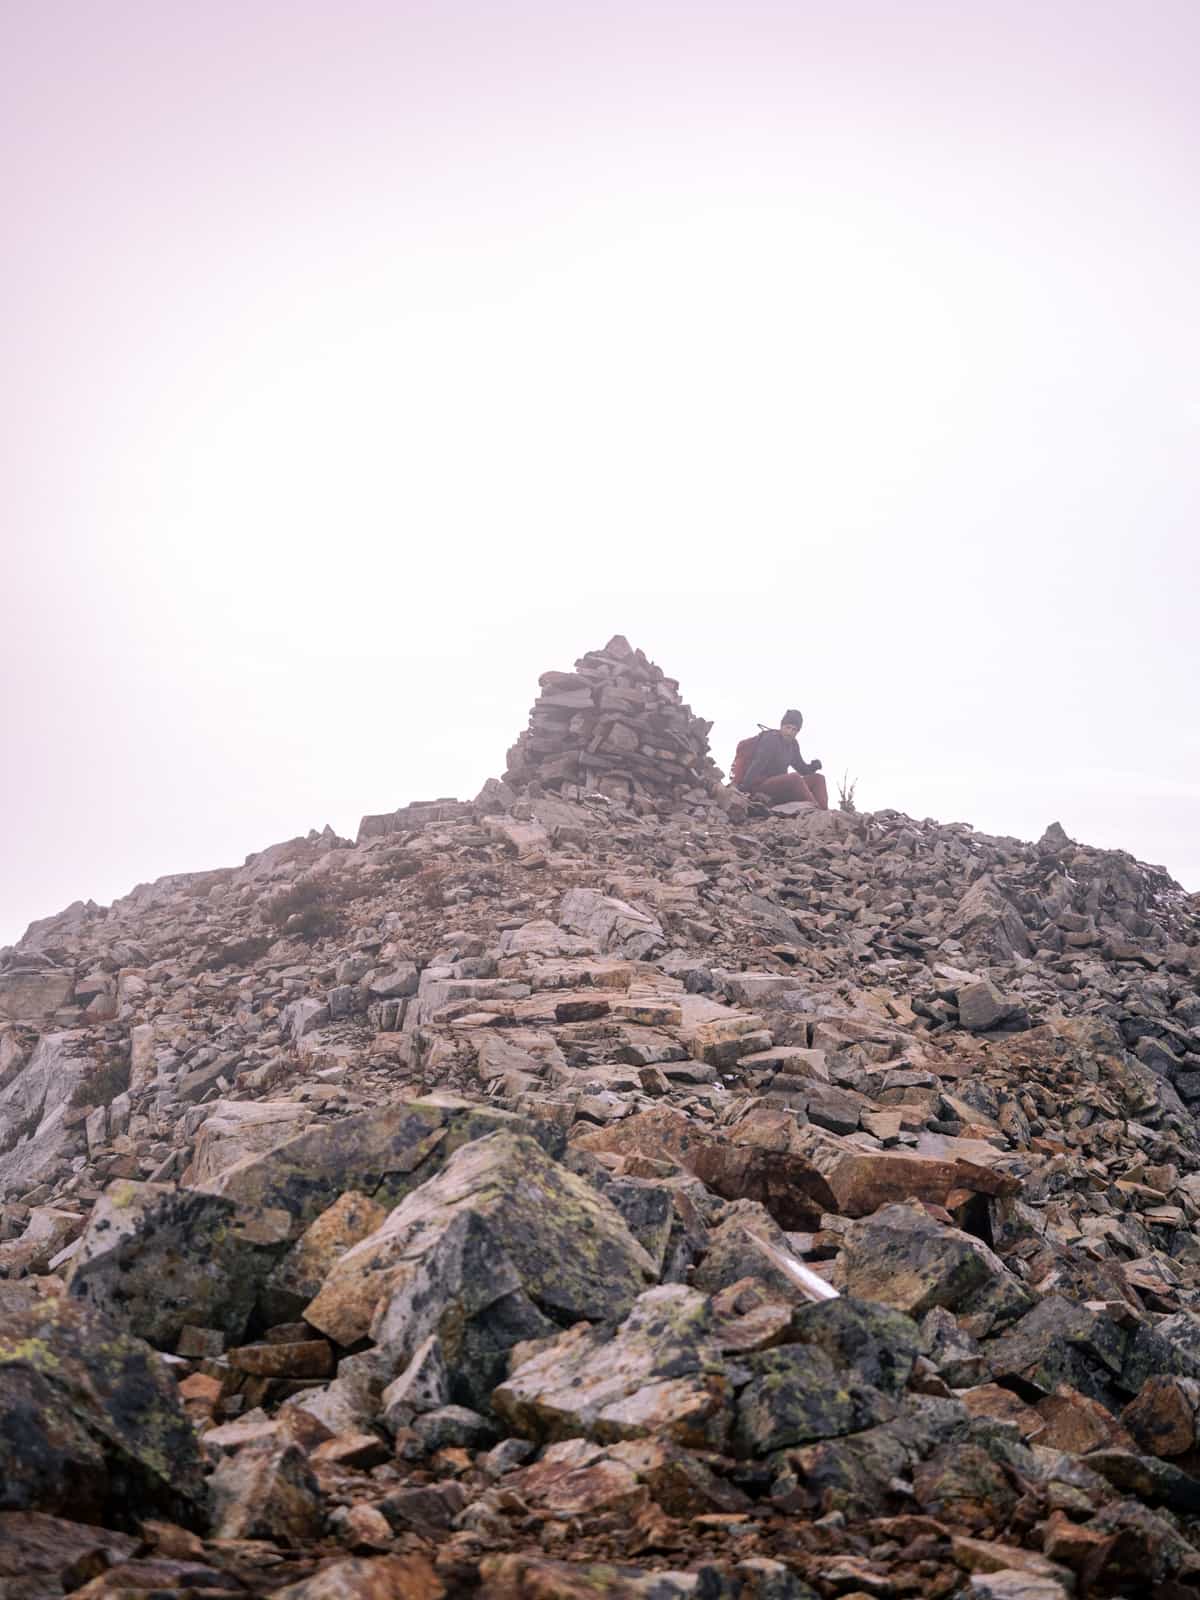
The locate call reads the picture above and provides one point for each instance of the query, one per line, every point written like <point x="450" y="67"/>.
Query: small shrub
<point x="430" y="886"/>
<point x="846" y="793"/>
<point x="102" y="1087"/>
<point x="239" y="953"/>
<point x="400" y="864"/>
<point x="304" y="911"/>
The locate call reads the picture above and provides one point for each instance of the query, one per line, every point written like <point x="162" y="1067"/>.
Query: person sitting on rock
<point x="767" y="774"/>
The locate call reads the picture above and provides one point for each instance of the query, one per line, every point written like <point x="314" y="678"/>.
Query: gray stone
<point x="981" y="1005"/>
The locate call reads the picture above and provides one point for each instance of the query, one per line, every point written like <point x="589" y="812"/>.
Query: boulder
<point x="611" y="924"/>
<point x="158" y="1260"/>
<point x="298" y="1277"/>
<point x="989" y="925"/>
<point x="730" y="1254"/>
<point x="796" y="1395"/>
<point x="860" y="1181"/>
<point x="981" y="1005"/>
<point x="902" y="1257"/>
<point x="570" y="1251"/>
<point x="659" y="1373"/>
<point x="34" y="1108"/>
<point x="266" y="1492"/>
<point x="237" y="1129"/>
<point x="34" y="995"/>
<point x="875" y="1344"/>
<point x="383" y="1153"/>
<point x="1162" y="1416"/>
<point x="90" y="1421"/>
<point x="465" y="1294"/>
<point x="1060" y="1342"/>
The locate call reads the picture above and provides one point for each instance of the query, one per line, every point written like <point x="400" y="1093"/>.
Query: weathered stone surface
<point x="860" y="1181"/>
<point x="659" y="1373"/>
<point x="647" y="1211"/>
<point x="302" y="1358"/>
<point x="424" y="1385"/>
<point x="36" y="1102"/>
<point x="298" y="1277"/>
<point x="730" y="1254"/>
<point x="874" y="1343"/>
<point x="954" y="1352"/>
<point x="34" y="996"/>
<point x="571" y="1251"/>
<point x="1076" y="1423"/>
<point x="36" y="1547"/>
<point x="90" y="1423"/>
<point x="981" y="1005"/>
<point x="611" y="924"/>
<point x="383" y="1153"/>
<point x="767" y="1158"/>
<point x="962" y="1483"/>
<point x="268" y="1492"/>
<point x="902" y="1257"/>
<point x="988" y="924"/>
<point x="409" y="1577"/>
<point x="1058" y="1342"/>
<point x="236" y="1130"/>
<point x="797" y="1395"/>
<point x="187" y="1259"/>
<point x="465" y="1291"/>
<point x="1162" y="1416"/>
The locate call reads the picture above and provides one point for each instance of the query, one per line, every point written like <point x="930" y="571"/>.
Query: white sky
<point x="364" y="361"/>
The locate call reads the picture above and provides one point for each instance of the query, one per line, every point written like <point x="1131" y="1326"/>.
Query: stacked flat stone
<point x="616" y="725"/>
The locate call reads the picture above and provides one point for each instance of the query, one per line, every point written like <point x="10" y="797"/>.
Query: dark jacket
<point x="773" y="756"/>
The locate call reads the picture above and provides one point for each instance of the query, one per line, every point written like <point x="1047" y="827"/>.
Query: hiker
<point x="760" y="766"/>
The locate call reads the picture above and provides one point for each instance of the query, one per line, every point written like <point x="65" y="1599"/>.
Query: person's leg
<point x="818" y="790"/>
<point x="788" y="786"/>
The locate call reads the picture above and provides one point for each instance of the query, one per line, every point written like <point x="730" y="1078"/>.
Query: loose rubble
<point x="607" y="1186"/>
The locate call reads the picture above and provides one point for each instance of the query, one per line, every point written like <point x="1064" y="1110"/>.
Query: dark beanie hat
<point x="794" y="718"/>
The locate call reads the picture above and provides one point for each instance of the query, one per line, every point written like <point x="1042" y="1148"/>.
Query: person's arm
<point x="804" y="768"/>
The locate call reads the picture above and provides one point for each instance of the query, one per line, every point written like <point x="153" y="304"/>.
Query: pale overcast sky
<point x="364" y="360"/>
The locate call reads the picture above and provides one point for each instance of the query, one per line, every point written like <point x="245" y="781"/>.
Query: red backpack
<point x="742" y="757"/>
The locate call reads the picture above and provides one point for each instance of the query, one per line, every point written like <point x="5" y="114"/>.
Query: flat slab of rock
<point x="236" y="1129"/>
<point x="659" y="1373"/>
<point x="31" y="1542"/>
<point x="863" y="1180"/>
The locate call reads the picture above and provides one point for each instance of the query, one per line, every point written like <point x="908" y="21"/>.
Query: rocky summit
<point x="607" y="1185"/>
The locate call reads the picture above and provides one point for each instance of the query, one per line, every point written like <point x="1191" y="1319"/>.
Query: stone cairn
<point x="615" y="725"/>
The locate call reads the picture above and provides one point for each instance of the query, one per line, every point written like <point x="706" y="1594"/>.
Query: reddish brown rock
<point x="407" y="1577"/>
<point x="1162" y="1417"/>
<point x="361" y="1450"/>
<point x="991" y="1400"/>
<point x="267" y="1492"/>
<point x="1071" y="1543"/>
<point x="308" y="1358"/>
<point x="1077" y="1423"/>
